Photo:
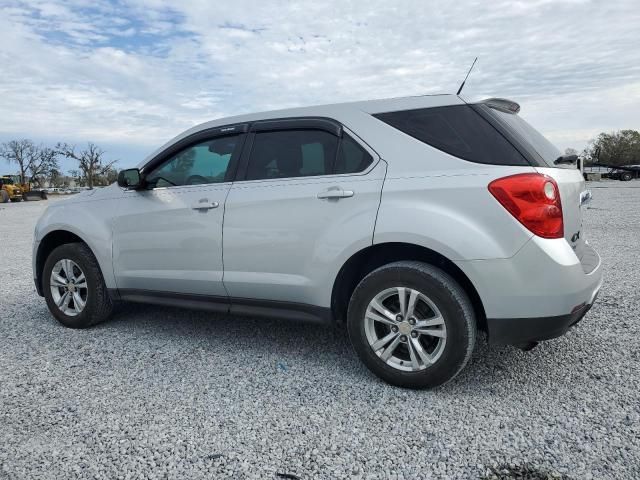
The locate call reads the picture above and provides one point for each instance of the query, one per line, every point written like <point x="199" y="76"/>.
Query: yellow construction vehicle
<point x="16" y="191"/>
<point x="9" y="190"/>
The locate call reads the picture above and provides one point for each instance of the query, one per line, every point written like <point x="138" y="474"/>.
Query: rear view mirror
<point x="129" y="178"/>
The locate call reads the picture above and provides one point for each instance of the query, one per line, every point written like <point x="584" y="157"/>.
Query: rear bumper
<point x="537" y="294"/>
<point x="515" y="331"/>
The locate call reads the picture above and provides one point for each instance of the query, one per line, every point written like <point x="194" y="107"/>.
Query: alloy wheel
<point x="68" y="287"/>
<point x="405" y="329"/>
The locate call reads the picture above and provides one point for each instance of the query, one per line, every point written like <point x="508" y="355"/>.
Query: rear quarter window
<point x="457" y="130"/>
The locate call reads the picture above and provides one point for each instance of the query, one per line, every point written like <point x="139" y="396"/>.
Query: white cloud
<point x="136" y="73"/>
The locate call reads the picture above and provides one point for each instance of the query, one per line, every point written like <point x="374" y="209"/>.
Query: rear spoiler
<point x="502" y="104"/>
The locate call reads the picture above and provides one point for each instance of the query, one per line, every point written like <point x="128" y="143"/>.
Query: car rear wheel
<point x="626" y="176"/>
<point x="412" y="324"/>
<point x="74" y="288"/>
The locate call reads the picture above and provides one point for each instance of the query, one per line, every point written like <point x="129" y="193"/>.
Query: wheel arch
<point x="50" y="242"/>
<point x="368" y="259"/>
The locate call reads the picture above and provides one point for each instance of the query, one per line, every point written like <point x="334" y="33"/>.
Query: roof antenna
<point x="465" y="78"/>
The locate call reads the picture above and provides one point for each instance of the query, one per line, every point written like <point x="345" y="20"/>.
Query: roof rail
<point x="502" y="104"/>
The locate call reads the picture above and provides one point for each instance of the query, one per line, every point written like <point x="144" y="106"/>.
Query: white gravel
<point x="164" y="393"/>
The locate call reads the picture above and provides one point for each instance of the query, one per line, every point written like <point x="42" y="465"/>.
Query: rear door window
<point x="457" y="130"/>
<point x="291" y="153"/>
<point x="352" y="158"/>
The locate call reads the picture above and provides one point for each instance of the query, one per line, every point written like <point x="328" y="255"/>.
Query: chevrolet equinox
<point x="411" y="222"/>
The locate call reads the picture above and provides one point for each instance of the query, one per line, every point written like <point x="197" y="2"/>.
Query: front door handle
<point x="205" y="205"/>
<point x="335" y="192"/>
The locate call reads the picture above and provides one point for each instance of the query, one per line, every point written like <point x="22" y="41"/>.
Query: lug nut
<point x="414" y="334"/>
<point x="403" y="338"/>
<point x="412" y="321"/>
<point x="398" y="318"/>
<point x="394" y="329"/>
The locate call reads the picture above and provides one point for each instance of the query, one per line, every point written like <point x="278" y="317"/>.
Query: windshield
<point x="6" y="181"/>
<point x="540" y="144"/>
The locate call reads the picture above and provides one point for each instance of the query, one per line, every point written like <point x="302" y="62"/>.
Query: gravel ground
<point x="164" y="393"/>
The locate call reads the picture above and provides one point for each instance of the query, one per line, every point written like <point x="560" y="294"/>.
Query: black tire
<point x="4" y="196"/>
<point x="453" y="303"/>
<point x="19" y="199"/>
<point x="626" y="176"/>
<point x="99" y="304"/>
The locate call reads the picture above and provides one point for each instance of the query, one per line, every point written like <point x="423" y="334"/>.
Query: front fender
<point x="90" y="221"/>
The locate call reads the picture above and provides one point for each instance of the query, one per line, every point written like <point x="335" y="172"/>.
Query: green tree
<point x="616" y="148"/>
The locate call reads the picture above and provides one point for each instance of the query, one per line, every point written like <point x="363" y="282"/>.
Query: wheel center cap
<point x="405" y="328"/>
<point x="71" y="287"/>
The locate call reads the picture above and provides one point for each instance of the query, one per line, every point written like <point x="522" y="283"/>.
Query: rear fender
<point x="454" y="215"/>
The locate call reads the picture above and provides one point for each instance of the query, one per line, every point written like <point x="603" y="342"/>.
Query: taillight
<point x="534" y="200"/>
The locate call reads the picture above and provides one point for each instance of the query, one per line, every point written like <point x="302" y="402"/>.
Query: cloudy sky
<point x="129" y="74"/>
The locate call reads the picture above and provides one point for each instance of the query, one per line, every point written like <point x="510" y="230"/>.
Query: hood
<point x="91" y="195"/>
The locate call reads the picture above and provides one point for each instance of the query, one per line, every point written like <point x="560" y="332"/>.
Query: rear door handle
<point x="205" y="205"/>
<point x="335" y="192"/>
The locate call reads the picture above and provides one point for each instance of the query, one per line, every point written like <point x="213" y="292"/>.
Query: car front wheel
<point x="74" y="288"/>
<point x="412" y="324"/>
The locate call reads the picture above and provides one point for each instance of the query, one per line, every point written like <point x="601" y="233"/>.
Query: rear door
<point x="307" y="192"/>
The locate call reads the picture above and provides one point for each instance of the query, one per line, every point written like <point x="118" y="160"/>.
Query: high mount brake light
<point x="534" y="200"/>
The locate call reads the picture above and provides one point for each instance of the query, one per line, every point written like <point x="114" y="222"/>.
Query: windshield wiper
<point x="566" y="159"/>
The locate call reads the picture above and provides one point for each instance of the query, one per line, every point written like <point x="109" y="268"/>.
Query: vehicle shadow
<point x="284" y="345"/>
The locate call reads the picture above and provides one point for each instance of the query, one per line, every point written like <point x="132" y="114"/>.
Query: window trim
<point x="194" y="139"/>
<point x="298" y="123"/>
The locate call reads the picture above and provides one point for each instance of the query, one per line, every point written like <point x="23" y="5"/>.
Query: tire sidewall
<point x="456" y="317"/>
<point x="71" y="252"/>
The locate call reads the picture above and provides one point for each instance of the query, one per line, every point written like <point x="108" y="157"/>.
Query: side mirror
<point x="130" y="179"/>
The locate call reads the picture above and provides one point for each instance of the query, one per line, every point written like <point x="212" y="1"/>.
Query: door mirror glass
<point x="129" y="178"/>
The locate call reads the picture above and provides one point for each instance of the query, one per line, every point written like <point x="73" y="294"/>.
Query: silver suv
<point x="411" y="222"/>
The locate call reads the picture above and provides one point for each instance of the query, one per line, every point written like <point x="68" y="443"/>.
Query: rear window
<point x="457" y="130"/>
<point x="518" y="126"/>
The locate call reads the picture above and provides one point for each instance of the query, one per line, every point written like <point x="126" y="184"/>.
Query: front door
<point x="167" y="237"/>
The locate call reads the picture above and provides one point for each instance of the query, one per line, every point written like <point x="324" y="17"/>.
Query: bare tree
<point x="570" y="151"/>
<point x="90" y="161"/>
<point x="78" y="178"/>
<point x="21" y="152"/>
<point x="35" y="162"/>
<point x="43" y="165"/>
<point x="55" y="178"/>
